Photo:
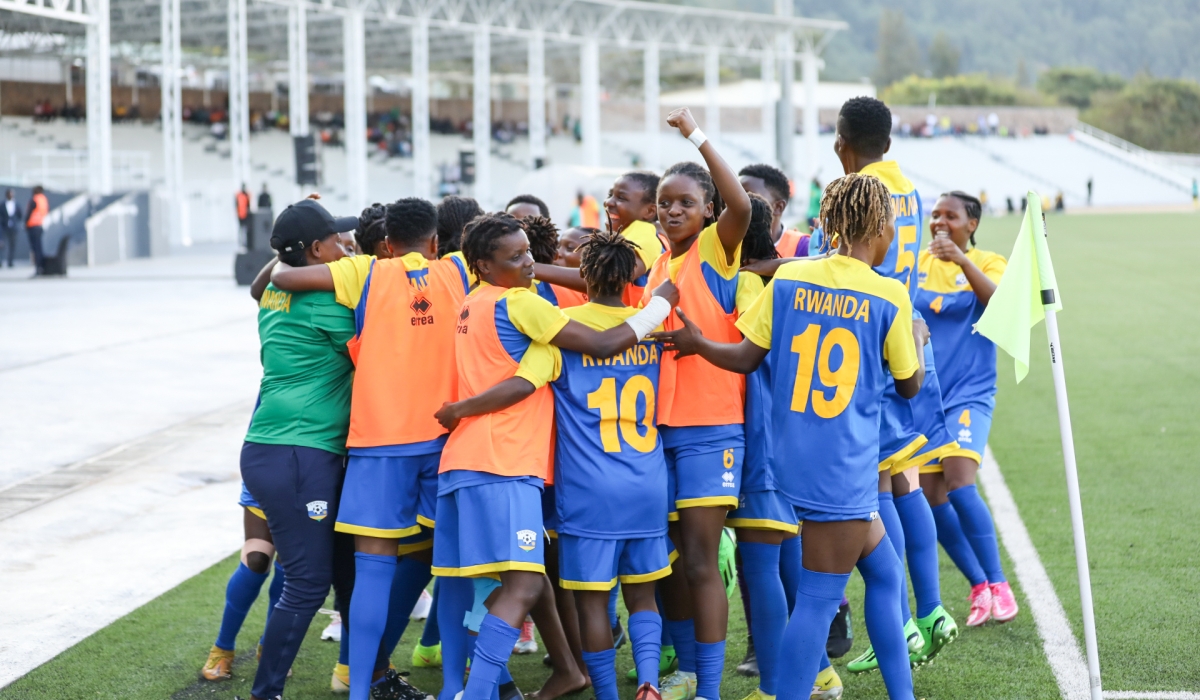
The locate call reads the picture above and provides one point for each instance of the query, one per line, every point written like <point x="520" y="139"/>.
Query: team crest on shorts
<point x="727" y="480"/>
<point x="317" y="510"/>
<point x="528" y="539"/>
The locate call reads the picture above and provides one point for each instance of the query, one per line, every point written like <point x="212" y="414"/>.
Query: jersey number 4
<point x="625" y="414"/>
<point x="815" y="351"/>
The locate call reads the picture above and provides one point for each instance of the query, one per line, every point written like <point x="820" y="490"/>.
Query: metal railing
<point x="1150" y="162"/>
<point x="65" y="169"/>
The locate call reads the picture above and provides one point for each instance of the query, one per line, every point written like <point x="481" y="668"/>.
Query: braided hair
<point x="757" y="245"/>
<point x="703" y="178"/>
<point x="606" y="261"/>
<point x="971" y="204"/>
<point x="453" y="214"/>
<point x="543" y="238"/>
<point x="645" y="179"/>
<point x="481" y="237"/>
<point x="370" y="231"/>
<point x="854" y="209"/>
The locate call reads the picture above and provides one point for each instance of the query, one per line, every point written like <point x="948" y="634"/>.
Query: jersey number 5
<point x="605" y="399"/>
<point x="906" y="259"/>
<point x="815" y="351"/>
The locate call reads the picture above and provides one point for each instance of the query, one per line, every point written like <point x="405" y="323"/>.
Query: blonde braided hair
<point x="854" y="209"/>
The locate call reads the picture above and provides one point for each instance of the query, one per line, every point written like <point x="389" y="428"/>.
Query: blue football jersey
<point x="610" y="476"/>
<point x="901" y="260"/>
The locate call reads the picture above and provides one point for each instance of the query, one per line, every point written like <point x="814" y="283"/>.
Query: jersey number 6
<point x="844" y="379"/>
<point x="605" y="399"/>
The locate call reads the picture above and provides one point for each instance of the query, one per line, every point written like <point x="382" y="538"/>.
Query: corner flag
<point x="1026" y="291"/>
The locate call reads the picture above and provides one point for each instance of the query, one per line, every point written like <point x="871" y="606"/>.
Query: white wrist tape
<point x="650" y="317"/>
<point x="697" y="138"/>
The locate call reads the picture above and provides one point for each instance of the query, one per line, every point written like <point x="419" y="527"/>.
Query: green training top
<point x="304" y="398"/>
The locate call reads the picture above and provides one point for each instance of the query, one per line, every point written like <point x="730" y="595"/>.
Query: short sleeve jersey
<point x="649" y="247"/>
<point x="901" y="257"/>
<point x="833" y="328"/>
<point x="607" y="449"/>
<point x="350" y="274"/>
<point x="304" y="396"/>
<point x="966" y="360"/>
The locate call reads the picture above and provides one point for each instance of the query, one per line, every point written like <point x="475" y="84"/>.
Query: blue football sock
<point x="665" y="639"/>
<point x="275" y="591"/>
<point x="429" y="635"/>
<point x="976" y="522"/>
<point x="920" y="546"/>
<point x="240" y="593"/>
<point x="825" y="662"/>
<point x="683" y="633"/>
<point x="612" y="606"/>
<point x="817" y="599"/>
<point x="455" y="598"/>
<point x="882" y="573"/>
<point x="789" y="570"/>
<point x="492" y="649"/>
<point x="344" y="644"/>
<point x="710" y="664"/>
<point x="895" y="533"/>
<point x="950" y="535"/>
<point x="373" y="576"/>
<point x="768" y="605"/>
<point x="412" y="577"/>
<point x="645" y="636"/>
<point x="602" y="667"/>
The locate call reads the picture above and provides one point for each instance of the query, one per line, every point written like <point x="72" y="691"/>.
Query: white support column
<point x="810" y="65"/>
<point x="482" y="116"/>
<point x="99" y="102"/>
<point x="422" y="168"/>
<point x="69" y="77"/>
<point x="650" y="105"/>
<point x="172" y="123"/>
<point x="785" y="49"/>
<point x="537" y="98"/>
<point x="712" y="94"/>
<point x="239" y="94"/>
<point x="768" y="106"/>
<point x="298" y="70"/>
<point x="354" y="77"/>
<point x="589" y="108"/>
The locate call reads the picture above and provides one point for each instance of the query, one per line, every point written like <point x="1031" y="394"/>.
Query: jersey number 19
<point x="815" y="351"/>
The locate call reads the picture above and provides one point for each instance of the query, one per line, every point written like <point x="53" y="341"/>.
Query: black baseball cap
<point x="305" y="222"/>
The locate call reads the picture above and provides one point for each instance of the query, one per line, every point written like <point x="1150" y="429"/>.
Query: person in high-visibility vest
<point x="38" y="208"/>
<point x="242" y="202"/>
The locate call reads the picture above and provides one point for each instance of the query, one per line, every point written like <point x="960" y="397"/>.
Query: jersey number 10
<point x="605" y="399"/>
<point x="844" y="379"/>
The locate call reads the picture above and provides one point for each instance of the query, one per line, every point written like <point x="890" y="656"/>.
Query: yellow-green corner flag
<point x="1025" y="291"/>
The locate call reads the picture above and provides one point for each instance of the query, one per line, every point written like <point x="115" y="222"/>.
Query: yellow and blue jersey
<point x="966" y="359"/>
<point x="901" y="258"/>
<point x="835" y="331"/>
<point x="610" y="474"/>
<point x="756" y="472"/>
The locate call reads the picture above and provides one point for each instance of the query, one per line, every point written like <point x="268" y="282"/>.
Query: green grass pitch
<point x="1130" y="340"/>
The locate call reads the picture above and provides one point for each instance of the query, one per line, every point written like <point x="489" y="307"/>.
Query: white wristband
<point x="650" y="317"/>
<point x="697" y="138"/>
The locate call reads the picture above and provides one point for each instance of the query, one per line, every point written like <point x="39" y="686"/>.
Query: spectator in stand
<point x="1089" y="185"/>
<point x="10" y="220"/>
<point x="35" y="216"/>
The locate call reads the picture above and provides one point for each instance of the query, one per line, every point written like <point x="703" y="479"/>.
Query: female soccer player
<point x="300" y="427"/>
<point x="771" y="184"/>
<point x="453" y="215"/>
<point x="701" y="407"/>
<point x="834" y="330"/>
<point x="956" y="282"/>
<point x="494" y="463"/>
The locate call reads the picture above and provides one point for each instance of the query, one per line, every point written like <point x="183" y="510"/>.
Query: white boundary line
<point x="1062" y="650"/>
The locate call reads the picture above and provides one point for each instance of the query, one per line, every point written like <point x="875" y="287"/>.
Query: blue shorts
<point x="820" y="516"/>
<point x="415" y="543"/>
<point x="764" y="510"/>
<point x="247" y="501"/>
<point x="389" y="496"/>
<point x="588" y="564"/>
<point x="704" y="474"/>
<point x="899" y="438"/>
<point x="970" y="424"/>
<point x="549" y="511"/>
<point x="489" y="528"/>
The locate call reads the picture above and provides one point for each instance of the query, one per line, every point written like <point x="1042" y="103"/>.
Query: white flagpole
<point x="1068" y="448"/>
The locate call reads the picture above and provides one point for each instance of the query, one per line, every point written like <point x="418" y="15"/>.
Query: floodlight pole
<point x="537" y="98"/>
<point x="99" y="101"/>
<point x="768" y="105"/>
<point x="354" y="69"/>
<point x="589" y="93"/>
<point x="172" y="122"/>
<point x="712" y="94"/>
<point x="650" y="87"/>
<point x="482" y="115"/>
<point x="239" y="95"/>
<point x="420" y="108"/>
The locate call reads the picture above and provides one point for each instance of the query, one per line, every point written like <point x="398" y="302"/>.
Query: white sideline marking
<point x="1062" y="650"/>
